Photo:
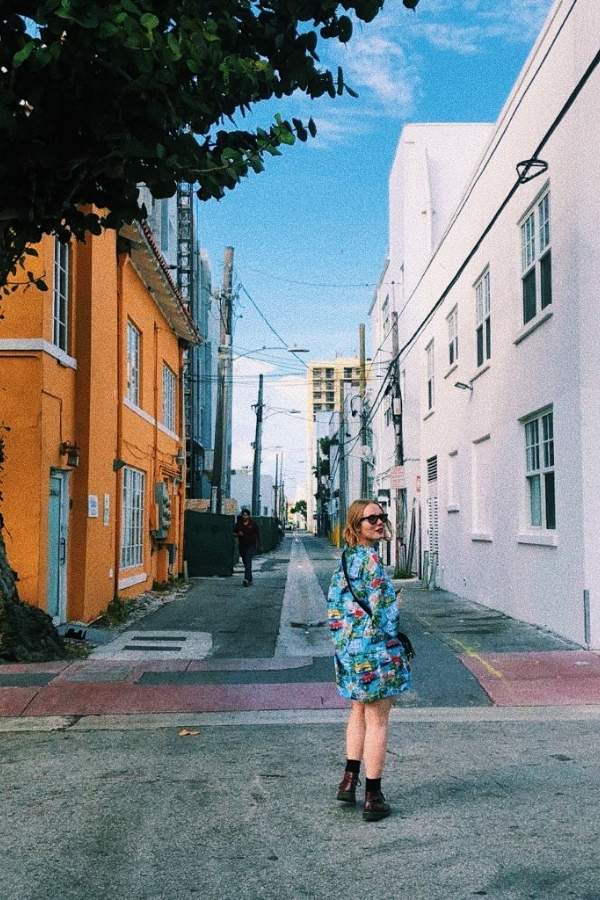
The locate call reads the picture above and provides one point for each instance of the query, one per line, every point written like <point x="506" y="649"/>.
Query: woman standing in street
<point x="369" y="663"/>
<point x="248" y="537"/>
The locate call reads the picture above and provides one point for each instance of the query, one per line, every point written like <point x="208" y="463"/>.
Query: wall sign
<point x="92" y="506"/>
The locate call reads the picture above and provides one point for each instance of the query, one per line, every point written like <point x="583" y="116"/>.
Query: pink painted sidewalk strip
<point x="105" y="699"/>
<point x="550" y="678"/>
<point x="14" y="700"/>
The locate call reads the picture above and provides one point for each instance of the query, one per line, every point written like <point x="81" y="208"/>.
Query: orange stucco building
<point x="91" y="388"/>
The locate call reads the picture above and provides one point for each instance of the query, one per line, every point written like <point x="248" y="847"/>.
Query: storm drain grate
<point x="158" y="637"/>
<point x="149" y="648"/>
<point x="159" y="644"/>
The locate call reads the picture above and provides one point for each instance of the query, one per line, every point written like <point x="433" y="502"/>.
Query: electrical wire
<point x="508" y="197"/>
<point x="268" y="324"/>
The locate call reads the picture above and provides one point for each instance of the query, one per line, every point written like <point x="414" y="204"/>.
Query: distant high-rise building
<point x="324" y="399"/>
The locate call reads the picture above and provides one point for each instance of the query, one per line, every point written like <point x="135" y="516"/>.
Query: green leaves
<point x="150" y="86"/>
<point x="23" y="54"/>
<point x="149" y="21"/>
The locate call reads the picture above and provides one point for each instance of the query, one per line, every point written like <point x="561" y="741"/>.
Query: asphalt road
<point x="496" y="809"/>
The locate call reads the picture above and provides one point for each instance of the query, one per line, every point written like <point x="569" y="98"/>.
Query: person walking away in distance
<point x="248" y="537"/>
<point x="369" y="665"/>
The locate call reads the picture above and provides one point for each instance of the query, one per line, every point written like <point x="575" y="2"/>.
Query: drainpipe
<point x="121" y="260"/>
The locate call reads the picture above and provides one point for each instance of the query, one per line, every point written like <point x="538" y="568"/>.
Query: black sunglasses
<point x="372" y="520"/>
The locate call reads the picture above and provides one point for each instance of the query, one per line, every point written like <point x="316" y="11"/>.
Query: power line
<point x="268" y="324"/>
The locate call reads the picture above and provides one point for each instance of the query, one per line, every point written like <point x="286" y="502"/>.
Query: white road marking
<point x="303" y="601"/>
<point x="425" y="715"/>
<point x="196" y="645"/>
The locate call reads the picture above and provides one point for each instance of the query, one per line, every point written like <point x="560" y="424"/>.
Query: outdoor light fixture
<point x="463" y="386"/>
<point x="72" y="452"/>
<point x="528" y="169"/>
<point x="180" y="459"/>
<point x="118" y="464"/>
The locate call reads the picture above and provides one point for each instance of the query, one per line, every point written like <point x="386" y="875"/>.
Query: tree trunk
<point x="26" y="633"/>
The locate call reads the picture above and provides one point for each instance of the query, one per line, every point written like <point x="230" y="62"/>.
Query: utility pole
<point x="257" y="450"/>
<point x="276" y="486"/>
<point x="281" y="487"/>
<point x="364" y="482"/>
<point x="319" y="498"/>
<point x="399" y="447"/>
<point x="221" y="476"/>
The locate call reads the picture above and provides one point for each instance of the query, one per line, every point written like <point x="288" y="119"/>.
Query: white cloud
<point x="445" y="36"/>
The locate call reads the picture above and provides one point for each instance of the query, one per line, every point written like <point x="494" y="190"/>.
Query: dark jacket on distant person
<point x="247" y="534"/>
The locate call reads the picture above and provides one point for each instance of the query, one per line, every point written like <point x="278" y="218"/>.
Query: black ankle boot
<point x="375" y="807"/>
<point x="347" y="787"/>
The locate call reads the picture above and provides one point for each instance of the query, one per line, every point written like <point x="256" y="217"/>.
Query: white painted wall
<point x="241" y="490"/>
<point x="488" y="550"/>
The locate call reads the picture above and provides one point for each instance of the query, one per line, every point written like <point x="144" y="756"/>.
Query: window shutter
<point x="432" y="468"/>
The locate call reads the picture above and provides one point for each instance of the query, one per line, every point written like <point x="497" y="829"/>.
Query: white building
<point x="500" y="472"/>
<point x="241" y="490"/>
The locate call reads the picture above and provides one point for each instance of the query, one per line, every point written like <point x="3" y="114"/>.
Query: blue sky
<point x="310" y="233"/>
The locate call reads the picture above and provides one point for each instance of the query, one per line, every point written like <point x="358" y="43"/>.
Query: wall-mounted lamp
<point x="463" y="386"/>
<point x="180" y="459"/>
<point x="118" y="464"/>
<point x="72" y="452"/>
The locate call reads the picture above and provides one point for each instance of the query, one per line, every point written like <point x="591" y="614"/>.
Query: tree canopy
<point x="97" y="97"/>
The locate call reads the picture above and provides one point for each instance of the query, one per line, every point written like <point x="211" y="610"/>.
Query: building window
<point x="169" y="398"/>
<point x="539" y="465"/>
<point x="536" y="259"/>
<point x="132" y="537"/>
<point x="430" y="376"/>
<point x="60" y="307"/>
<point x="133" y="363"/>
<point x="453" y="336"/>
<point x="483" y="325"/>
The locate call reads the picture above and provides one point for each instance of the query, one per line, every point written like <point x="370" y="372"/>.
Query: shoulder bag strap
<point x="362" y="603"/>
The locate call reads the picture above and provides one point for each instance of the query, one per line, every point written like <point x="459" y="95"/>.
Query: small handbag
<point x="405" y="641"/>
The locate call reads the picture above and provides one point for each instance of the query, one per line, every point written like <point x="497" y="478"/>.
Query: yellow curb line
<point x="467" y="650"/>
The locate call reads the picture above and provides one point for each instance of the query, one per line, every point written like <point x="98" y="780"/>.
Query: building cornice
<point x="152" y="268"/>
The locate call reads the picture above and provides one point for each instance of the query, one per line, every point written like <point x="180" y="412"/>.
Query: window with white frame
<point x="536" y="259"/>
<point x="60" y="305"/>
<point x="133" y="363"/>
<point x="169" y="398"/>
<point x="429" y="350"/>
<point x="483" y="319"/>
<point x="132" y="536"/>
<point x="452" y="320"/>
<point x="539" y="465"/>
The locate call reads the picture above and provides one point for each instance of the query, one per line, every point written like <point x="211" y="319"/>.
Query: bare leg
<point x="376" y="715"/>
<point x="355" y="731"/>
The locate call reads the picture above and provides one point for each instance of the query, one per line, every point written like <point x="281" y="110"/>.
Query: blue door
<point x="57" y="546"/>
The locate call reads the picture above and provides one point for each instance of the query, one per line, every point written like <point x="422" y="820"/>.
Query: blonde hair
<point x="353" y="523"/>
